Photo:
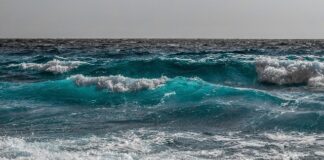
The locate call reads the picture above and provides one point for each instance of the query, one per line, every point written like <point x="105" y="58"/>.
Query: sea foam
<point x="282" y="72"/>
<point x="145" y="144"/>
<point x="119" y="83"/>
<point x="55" y="66"/>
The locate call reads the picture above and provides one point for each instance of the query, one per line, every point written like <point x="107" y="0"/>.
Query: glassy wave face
<point x="161" y="99"/>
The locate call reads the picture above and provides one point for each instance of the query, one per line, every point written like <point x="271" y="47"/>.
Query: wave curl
<point x="119" y="83"/>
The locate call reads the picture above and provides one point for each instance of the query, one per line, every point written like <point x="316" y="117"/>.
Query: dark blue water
<point x="161" y="99"/>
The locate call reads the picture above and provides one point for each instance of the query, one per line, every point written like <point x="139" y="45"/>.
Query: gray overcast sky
<point x="161" y="18"/>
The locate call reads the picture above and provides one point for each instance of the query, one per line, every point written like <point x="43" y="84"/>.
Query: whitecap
<point x="316" y="81"/>
<point x="55" y="66"/>
<point x="119" y="83"/>
<point x="282" y="71"/>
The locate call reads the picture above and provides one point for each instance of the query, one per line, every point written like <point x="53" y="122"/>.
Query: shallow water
<point x="161" y="99"/>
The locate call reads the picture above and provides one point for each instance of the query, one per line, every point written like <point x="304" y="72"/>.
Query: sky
<point x="297" y="19"/>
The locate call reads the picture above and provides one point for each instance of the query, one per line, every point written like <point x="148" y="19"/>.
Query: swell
<point x="228" y="69"/>
<point x="221" y="70"/>
<point x="218" y="71"/>
<point x="79" y="87"/>
<point x="178" y="100"/>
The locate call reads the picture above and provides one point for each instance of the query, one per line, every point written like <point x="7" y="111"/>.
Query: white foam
<point x="54" y="66"/>
<point x="157" y="144"/>
<point x="119" y="83"/>
<point x="295" y="138"/>
<point x="283" y="71"/>
<point x="316" y="81"/>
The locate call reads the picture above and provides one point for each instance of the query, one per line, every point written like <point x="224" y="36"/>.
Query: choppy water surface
<point x="161" y="99"/>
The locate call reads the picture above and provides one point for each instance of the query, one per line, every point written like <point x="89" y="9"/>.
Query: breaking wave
<point x="316" y="81"/>
<point x="119" y="83"/>
<point x="54" y="66"/>
<point x="283" y="72"/>
<point x="152" y="91"/>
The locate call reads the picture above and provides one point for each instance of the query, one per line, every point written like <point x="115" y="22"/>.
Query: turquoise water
<point x="161" y="99"/>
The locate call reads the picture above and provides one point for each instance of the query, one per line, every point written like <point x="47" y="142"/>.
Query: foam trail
<point x="119" y="83"/>
<point x="55" y="66"/>
<point x="273" y="70"/>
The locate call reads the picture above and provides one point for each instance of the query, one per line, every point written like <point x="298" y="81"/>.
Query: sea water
<point x="161" y="99"/>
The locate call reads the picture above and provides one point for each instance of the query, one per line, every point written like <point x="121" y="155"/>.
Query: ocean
<point x="161" y="99"/>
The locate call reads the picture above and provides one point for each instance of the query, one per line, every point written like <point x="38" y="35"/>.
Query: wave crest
<point x="119" y="83"/>
<point x="283" y="72"/>
<point x="316" y="81"/>
<point x="55" y="66"/>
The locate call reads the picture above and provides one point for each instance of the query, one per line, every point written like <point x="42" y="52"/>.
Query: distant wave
<point x="282" y="72"/>
<point x="54" y="66"/>
<point x="119" y="83"/>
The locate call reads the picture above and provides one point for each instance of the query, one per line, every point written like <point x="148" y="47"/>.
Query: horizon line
<point x="143" y="38"/>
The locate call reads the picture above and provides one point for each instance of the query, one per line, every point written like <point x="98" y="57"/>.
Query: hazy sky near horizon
<point x="161" y="18"/>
